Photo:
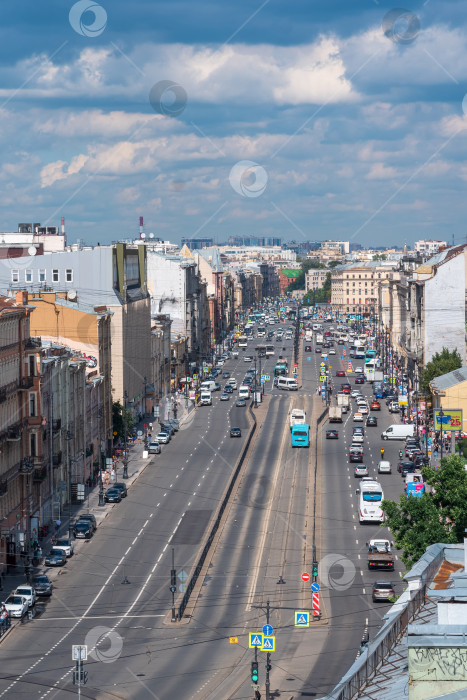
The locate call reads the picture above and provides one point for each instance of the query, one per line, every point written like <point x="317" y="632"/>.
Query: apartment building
<point x="315" y="279"/>
<point x="354" y="286"/>
<point x="429" y="248"/>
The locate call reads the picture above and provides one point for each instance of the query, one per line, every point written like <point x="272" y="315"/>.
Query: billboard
<point x="451" y="420"/>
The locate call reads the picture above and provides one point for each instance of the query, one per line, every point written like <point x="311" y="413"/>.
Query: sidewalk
<point x="136" y="464"/>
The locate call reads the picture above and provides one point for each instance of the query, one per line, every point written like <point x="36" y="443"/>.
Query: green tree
<point x="379" y="256"/>
<point x="118" y="422"/>
<point x="441" y="363"/>
<point x="334" y="263"/>
<point x="438" y="516"/>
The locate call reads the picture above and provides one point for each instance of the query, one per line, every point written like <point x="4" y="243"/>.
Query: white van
<point x="205" y="398"/>
<point x="209" y="385"/>
<point x="398" y="432"/>
<point x="244" y="392"/>
<point x="287" y="383"/>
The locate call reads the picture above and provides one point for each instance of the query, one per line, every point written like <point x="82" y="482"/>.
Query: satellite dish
<point x="143" y="236"/>
<point x="32" y="250"/>
<point x="72" y="294"/>
<point x="151" y="235"/>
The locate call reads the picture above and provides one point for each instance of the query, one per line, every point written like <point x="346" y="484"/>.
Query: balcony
<point x="57" y="459"/>
<point x="26" y="383"/>
<point x="26" y="466"/>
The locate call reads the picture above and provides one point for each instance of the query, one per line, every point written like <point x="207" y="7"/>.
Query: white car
<point x="232" y="383"/>
<point x="234" y="353"/>
<point x="162" y="438"/>
<point x="355" y="393"/>
<point x="357" y="418"/>
<point x="384" y="467"/>
<point x="358" y="370"/>
<point x="220" y="363"/>
<point x="363" y="410"/>
<point x="65" y="545"/>
<point x="16" y="605"/>
<point x="332" y="351"/>
<point x="28" y="592"/>
<point x="357" y="438"/>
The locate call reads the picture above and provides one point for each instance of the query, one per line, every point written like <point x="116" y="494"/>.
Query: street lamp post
<point x="125" y="438"/>
<point x="441" y="416"/>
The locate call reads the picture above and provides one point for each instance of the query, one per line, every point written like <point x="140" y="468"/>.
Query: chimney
<point x="140" y="226"/>
<point x="22" y="298"/>
<point x="63" y="226"/>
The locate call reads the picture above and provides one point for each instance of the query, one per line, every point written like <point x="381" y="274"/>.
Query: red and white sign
<point x="305" y="576"/>
<point x="315" y="602"/>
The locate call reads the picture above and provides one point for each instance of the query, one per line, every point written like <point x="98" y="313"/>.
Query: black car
<point x="371" y="421"/>
<point x="82" y="530"/>
<point x="332" y="434"/>
<point x="112" y="496"/>
<point x="235" y="432"/>
<point x="42" y="585"/>
<point x="226" y="375"/>
<point x="122" y="488"/>
<point x="307" y="348"/>
<point x="405" y="468"/>
<point x="228" y="389"/>
<point x="318" y="350"/>
<point x="359" y="380"/>
<point x="421" y="461"/>
<point x="90" y="518"/>
<point x="355" y="456"/>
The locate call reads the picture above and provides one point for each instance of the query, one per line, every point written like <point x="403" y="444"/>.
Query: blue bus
<point x="300" y="435"/>
<point x="370" y="355"/>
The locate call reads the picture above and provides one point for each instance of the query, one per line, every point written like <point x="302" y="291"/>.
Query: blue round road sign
<point x="268" y="630"/>
<point x="315" y="586"/>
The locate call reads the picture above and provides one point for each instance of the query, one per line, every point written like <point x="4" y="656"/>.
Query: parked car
<point x="154" y="448"/>
<point x="235" y="432"/>
<point x="163" y="438"/>
<point x="27" y="592"/>
<point x="166" y="427"/>
<point x="332" y="434"/>
<point x="66" y="545"/>
<point x="90" y="518"/>
<point x="112" y="496"/>
<point x="382" y="590"/>
<point x="56" y="557"/>
<point x="42" y="585"/>
<point x="82" y="530"/>
<point x="16" y="605"/>
<point x="405" y="467"/>
<point x="174" y="423"/>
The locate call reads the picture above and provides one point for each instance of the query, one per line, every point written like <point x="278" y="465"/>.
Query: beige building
<point x="355" y="286"/>
<point x="315" y="279"/>
<point x="449" y="392"/>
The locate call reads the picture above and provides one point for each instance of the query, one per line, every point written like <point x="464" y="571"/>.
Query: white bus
<point x="369" y="505"/>
<point x="243" y="341"/>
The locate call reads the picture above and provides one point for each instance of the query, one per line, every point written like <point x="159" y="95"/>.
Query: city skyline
<point x="341" y="123"/>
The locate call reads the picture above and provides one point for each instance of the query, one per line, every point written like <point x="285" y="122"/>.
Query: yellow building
<point x="450" y="392"/>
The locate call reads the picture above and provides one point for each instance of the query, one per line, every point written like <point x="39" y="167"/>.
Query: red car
<point x="346" y="388"/>
<point x="375" y="406"/>
<point x="340" y="373"/>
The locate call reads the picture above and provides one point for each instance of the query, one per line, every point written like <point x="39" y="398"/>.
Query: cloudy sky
<point x="305" y="120"/>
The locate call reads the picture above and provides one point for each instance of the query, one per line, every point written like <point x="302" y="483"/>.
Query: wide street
<point x="114" y="593"/>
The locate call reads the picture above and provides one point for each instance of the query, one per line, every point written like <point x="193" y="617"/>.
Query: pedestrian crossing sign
<point x="269" y="644"/>
<point x="302" y="619"/>
<point x="255" y="640"/>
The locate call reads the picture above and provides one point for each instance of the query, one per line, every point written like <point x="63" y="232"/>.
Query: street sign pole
<point x="268" y="656"/>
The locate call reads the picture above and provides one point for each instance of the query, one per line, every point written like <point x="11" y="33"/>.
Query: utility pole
<point x="268" y="654"/>
<point x="125" y="437"/>
<point x="173" y="585"/>
<point x="68" y="437"/>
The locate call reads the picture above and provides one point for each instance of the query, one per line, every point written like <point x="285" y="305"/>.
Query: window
<point x="69" y="275"/>
<point x="41" y="275"/>
<point x="32" y="404"/>
<point x="28" y="276"/>
<point x="32" y="365"/>
<point x="15" y="276"/>
<point x="55" y="275"/>
<point x="32" y="442"/>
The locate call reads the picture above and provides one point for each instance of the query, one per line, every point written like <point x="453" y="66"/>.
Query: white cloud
<point x="379" y="171"/>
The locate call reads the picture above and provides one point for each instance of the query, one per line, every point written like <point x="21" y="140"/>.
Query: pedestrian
<point x="112" y="475"/>
<point x="107" y="478"/>
<point x="58" y="523"/>
<point x="4" y="617"/>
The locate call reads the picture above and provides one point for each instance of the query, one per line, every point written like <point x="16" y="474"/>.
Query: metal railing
<point x="215" y="526"/>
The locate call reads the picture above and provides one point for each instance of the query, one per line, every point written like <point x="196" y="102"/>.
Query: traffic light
<point x="254" y="671"/>
<point x="315" y="568"/>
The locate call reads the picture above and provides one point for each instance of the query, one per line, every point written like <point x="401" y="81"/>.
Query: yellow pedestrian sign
<point x="269" y="644"/>
<point x="302" y="618"/>
<point x="255" y="639"/>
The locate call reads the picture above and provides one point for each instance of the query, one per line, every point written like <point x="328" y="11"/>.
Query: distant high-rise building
<point x="249" y="241"/>
<point x="197" y="243"/>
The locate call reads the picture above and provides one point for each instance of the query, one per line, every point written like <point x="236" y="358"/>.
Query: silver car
<point x="154" y="448"/>
<point x="163" y="438"/>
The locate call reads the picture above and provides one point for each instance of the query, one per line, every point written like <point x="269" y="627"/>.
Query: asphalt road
<point x="346" y="583"/>
<point x="115" y="594"/>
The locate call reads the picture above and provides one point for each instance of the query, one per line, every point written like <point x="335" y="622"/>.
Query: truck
<point x="297" y="416"/>
<point x="378" y="376"/>
<point x="343" y="400"/>
<point x="308" y="336"/>
<point x="319" y="339"/>
<point x="380" y="555"/>
<point x="205" y="398"/>
<point x="335" y="414"/>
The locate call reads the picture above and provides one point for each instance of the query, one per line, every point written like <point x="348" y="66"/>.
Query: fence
<point x="215" y="526"/>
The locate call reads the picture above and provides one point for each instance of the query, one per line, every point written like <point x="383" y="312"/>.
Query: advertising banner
<point x="451" y="419"/>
